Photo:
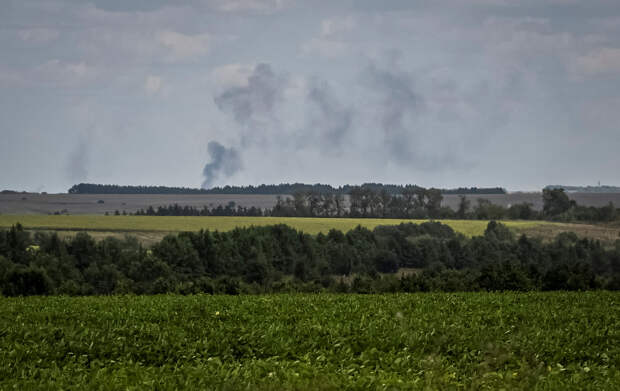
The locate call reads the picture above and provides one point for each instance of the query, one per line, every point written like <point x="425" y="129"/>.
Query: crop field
<point x="192" y="223"/>
<point x="523" y="341"/>
<point x="35" y="203"/>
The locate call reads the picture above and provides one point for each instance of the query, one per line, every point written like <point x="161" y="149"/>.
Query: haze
<point x="442" y="93"/>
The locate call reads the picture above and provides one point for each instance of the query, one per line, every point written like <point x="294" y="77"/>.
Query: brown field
<point x="34" y="203"/>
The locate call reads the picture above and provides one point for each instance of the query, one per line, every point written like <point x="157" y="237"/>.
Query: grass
<point x="180" y="223"/>
<point x="528" y="341"/>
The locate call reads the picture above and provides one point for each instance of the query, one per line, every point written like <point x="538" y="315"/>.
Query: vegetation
<point x="283" y="188"/>
<point x="130" y="224"/>
<point x="281" y="259"/>
<point x="411" y="203"/>
<point x="564" y="341"/>
<point x="586" y="189"/>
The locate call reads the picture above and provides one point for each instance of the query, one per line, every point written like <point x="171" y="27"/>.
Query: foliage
<point x="516" y="341"/>
<point x="227" y="223"/>
<point x="279" y="258"/>
<point x="411" y="202"/>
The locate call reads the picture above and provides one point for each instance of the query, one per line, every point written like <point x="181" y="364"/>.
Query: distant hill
<point x="283" y="188"/>
<point x="586" y="189"/>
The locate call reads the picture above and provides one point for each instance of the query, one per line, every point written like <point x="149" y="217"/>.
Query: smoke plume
<point x="332" y="120"/>
<point x="258" y="97"/>
<point x="77" y="163"/>
<point x="224" y="162"/>
<point x="399" y="100"/>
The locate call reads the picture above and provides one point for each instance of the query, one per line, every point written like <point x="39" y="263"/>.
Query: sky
<point x="443" y="93"/>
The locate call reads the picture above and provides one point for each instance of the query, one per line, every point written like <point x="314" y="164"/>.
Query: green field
<point x="326" y="342"/>
<point x="180" y="223"/>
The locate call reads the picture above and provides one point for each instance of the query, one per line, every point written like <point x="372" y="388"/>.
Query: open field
<point x="90" y="203"/>
<point x="34" y="203"/>
<point x="151" y="229"/>
<point x="183" y="223"/>
<point x="563" y="341"/>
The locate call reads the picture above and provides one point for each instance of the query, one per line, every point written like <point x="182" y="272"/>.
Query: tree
<point x="386" y="262"/>
<point x="464" y="205"/>
<point x="26" y="282"/>
<point x="555" y="202"/>
<point x="498" y="231"/>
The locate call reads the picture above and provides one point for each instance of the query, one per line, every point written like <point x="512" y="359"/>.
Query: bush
<point x="27" y="282"/>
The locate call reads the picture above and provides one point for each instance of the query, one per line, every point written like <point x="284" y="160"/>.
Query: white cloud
<point x="38" y="35"/>
<point x="182" y="47"/>
<point x="331" y="41"/>
<point x="325" y="48"/>
<point x="603" y="61"/>
<point x="266" y="6"/>
<point x="232" y="75"/>
<point x="152" y="85"/>
<point x="63" y="73"/>
<point x="333" y="26"/>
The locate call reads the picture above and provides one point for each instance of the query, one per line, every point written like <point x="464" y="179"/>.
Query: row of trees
<point x="282" y="188"/>
<point x="408" y="257"/>
<point x="231" y="209"/>
<point x="412" y="202"/>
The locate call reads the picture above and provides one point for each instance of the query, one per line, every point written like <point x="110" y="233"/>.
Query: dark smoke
<point x="224" y="162"/>
<point x="258" y="97"/>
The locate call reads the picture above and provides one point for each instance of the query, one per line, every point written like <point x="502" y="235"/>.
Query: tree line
<point x="411" y="203"/>
<point x="283" y="188"/>
<point x="403" y="258"/>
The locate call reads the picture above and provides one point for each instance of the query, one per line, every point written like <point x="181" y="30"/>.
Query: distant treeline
<point x="429" y="256"/>
<point x="231" y="209"/>
<point x="283" y="188"/>
<point x="586" y="189"/>
<point x="412" y="203"/>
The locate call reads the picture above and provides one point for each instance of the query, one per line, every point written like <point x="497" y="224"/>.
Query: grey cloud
<point x="225" y="162"/>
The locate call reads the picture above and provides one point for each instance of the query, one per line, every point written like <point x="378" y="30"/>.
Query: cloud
<point x="152" y="85"/>
<point x="38" y="35"/>
<point x="224" y="162"/>
<point x="332" y="41"/>
<point x="333" y="27"/>
<point x="603" y="61"/>
<point x="232" y="75"/>
<point x="324" y="48"/>
<point x="263" y="6"/>
<point x="60" y="73"/>
<point x="182" y="47"/>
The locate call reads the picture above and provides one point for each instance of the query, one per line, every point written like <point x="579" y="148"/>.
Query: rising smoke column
<point x="224" y="162"/>
<point x="77" y="163"/>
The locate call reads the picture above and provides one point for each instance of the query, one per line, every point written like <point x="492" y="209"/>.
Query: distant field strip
<point x="182" y="223"/>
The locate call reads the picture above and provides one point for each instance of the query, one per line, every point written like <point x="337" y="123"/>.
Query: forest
<point x="404" y="258"/>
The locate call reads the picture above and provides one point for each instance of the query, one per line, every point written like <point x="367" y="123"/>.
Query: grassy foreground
<point x="325" y="342"/>
<point x="181" y="223"/>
